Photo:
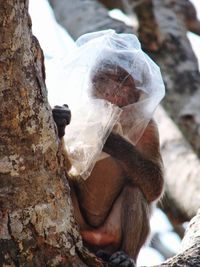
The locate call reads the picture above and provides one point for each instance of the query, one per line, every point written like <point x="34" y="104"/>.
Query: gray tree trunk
<point x="182" y="168"/>
<point x="85" y="16"/>
<point x="36" y="223"/>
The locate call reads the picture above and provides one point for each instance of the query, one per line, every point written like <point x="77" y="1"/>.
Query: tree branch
<point x="182" y="170"/>
<point x="85" y="16"/>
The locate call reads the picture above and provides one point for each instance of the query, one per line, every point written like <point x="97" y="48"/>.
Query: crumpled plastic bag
<point x="94" y="118"/>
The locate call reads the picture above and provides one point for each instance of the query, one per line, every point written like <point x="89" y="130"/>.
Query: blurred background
<point x="169" y="33"/>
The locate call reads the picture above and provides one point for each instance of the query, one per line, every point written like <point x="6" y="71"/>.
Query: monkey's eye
<point x="101" y="78"/>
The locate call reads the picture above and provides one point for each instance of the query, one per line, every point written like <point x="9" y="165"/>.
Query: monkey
<point x="113" y="205"/>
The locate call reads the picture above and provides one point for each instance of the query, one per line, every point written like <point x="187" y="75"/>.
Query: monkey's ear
<point x="62" y="117"/>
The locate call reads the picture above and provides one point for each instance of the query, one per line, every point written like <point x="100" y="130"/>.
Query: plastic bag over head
<point x="112" y="85"/>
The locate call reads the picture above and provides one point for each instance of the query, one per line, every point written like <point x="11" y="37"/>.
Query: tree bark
<point x="189" y="254"/>
<point x="80" y="17"/>
<point x="36" y="223"/>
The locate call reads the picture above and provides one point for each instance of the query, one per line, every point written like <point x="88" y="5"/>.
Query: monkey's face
<point x="114" y="85"/>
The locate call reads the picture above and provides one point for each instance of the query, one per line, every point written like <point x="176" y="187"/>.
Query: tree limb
<point x="183" y="8"/>
<point x="181" y="198"/>
<point x="187" y="12"/>
<point x="182" y="170"/>
<point x="80" y="17"/>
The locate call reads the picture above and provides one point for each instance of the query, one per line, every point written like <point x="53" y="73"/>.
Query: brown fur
<point x="112" y="207"/>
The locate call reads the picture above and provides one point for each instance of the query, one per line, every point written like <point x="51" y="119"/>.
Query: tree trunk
<point x="80" y="17"/>
<point x="36" y="223"/>
<point x="182" y="168"/>
<point x="180" y="70"/>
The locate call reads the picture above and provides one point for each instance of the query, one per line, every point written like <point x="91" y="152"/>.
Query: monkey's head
<point x="114" y="84"/>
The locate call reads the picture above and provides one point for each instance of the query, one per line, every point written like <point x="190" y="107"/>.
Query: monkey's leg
<point x="135" y="226"/>
<point x="62" y="117"/>
<point x="135" y="220"/>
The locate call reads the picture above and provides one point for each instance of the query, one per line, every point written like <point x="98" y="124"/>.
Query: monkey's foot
<point x="62" y="117"/>
<point x="120" y="259"/>
<point x="105" y="256"/>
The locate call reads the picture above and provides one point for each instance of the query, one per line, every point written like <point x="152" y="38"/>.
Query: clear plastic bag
<point x="93" y="118"/>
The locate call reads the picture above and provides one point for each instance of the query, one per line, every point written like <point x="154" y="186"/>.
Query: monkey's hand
<point x="62" y="117"/>
<point x="117" y="259"/>
<point x="120" y="259"/>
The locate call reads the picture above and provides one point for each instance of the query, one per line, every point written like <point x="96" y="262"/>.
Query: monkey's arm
<point x="141" y="169"/>
<point x="143" y="164"/>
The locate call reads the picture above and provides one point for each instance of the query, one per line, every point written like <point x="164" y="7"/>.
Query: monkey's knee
<point x="135" y="220"/>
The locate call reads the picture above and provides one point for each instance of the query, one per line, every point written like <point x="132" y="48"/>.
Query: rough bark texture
<point x="36" y="223"/>
<point x="189" y="254"/>
<point x="80" y="17"/>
